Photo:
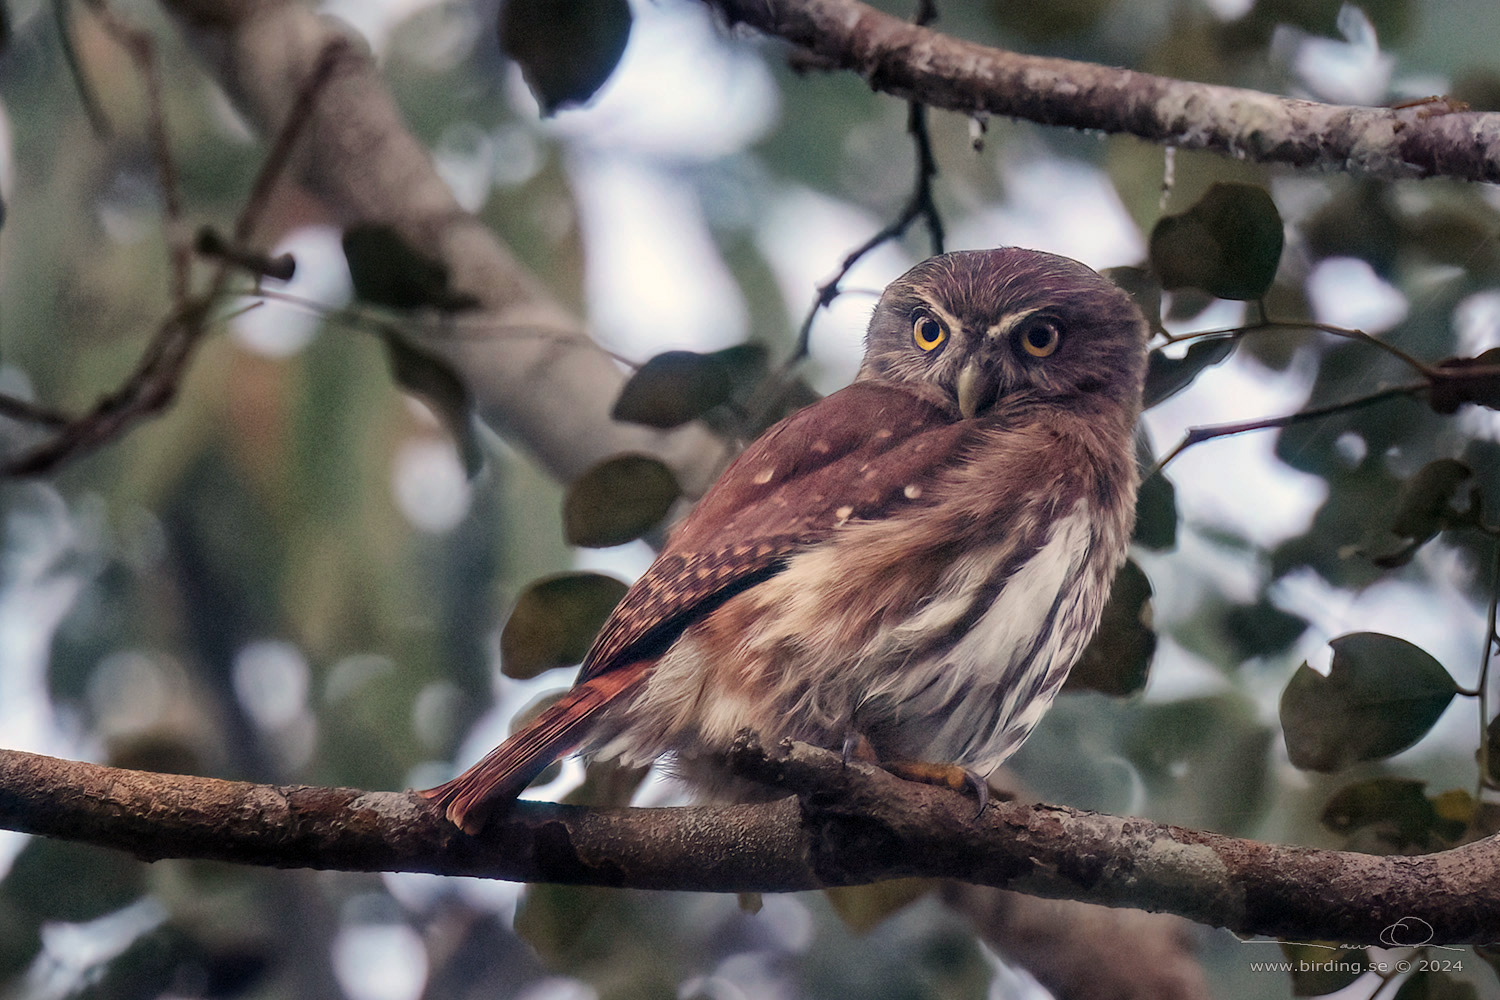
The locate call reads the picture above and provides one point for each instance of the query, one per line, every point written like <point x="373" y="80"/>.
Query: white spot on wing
<point x="913" y="491"/>
<point x="764" y="475"/>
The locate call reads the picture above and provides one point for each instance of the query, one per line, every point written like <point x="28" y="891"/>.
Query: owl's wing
<point x="854" y="454"/>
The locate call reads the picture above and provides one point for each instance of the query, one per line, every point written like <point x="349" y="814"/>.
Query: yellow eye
<point x="1041" y="339"/>
<point x="927" y="333"/>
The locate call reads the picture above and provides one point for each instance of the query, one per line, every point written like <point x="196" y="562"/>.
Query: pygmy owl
<point x="910" y="565"/>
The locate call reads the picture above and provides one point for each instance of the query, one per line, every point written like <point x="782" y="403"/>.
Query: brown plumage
<point x="915" y="560"/>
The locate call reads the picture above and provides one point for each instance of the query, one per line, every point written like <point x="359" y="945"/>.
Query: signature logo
<point x="1408" y="932"/>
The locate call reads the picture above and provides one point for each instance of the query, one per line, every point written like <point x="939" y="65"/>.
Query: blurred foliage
<point x="262" y="583"/>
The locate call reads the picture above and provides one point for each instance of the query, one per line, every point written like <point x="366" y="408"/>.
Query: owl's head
<point x="981" y="326"/>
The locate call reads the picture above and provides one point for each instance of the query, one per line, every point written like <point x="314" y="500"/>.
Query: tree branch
<point x="847" y="825"/>
<point x="551" y="393"/>
<point x="915" y="63"/>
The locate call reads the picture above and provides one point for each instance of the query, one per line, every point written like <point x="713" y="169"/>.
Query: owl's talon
<point x="857" y="748"/>
<point x="954" y="777"/>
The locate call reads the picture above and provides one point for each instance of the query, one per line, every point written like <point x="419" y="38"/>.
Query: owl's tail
<point x="469" y="799"/>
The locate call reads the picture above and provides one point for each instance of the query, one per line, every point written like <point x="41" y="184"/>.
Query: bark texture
<point x="845" y="825"/>
<point x="919" y="64"/>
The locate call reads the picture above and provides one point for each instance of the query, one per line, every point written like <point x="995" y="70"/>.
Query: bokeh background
<point x="290" y="577"/>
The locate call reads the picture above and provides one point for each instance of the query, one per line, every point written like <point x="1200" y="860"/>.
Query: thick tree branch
<point x="916" y="63"/>
<point x="531" y="366"/>
<point x="848" y="825"/>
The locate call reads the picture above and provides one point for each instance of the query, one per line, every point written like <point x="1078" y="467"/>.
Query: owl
<point x="910" y="565"/>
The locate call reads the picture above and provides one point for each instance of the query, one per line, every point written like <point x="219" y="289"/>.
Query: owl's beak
<point x="977" y="389"/>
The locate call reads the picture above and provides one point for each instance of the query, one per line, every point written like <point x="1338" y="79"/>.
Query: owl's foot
<point x="857" y="748"/>
<point x="954" y="777"/>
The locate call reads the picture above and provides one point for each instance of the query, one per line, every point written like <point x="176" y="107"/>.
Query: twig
<point x="919" y="205"/>
<point x="149" y="388"/>
<point x="915" y="63"/>
<point x="1483" y="685"/>
<point x="98" y="121"/>
<point x="142" y="51"/>
<point x="1348" y="333"/>
<point x="153" y="384"/>
<point x="297" y="119"/>
<point x="20" y="409"/>
<point x="1197" y="435"/>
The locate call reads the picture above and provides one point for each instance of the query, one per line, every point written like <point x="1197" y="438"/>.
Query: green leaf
<point x="618" y="500"/>
<point x="1431" y="984"/>
<point x="1141" y="285"/>
<point x="432" y="380"/>
<point x="1166" y="377"/>
<point x="1381" y="696"/>
<point x="566" y="48"/>
<point x="1318" y="970"/>
<point x="862" y="908"/>
<point x="57" y="880"/>
<point x="388" y="271"/>
<point x="607" y="784"/>
<point x="1398" y="809"/>
<point x="673" y="388"/>
<point x="1118" y="659"/>
<point x="1156" y="513"/>
<point x="1491" y="955"/>
<point x="1262" y="629"/>
<point x="1228" y="244"/>
<point x="555" y="620"/>
<point x="1424" y="504"/>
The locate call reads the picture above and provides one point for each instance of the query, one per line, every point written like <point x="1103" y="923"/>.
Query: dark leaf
<point x="1467" y="380"/>
<point x="1047" y="22"/>
<point x="1118" y="659"/>
<point x="862" y="908"/>
<point x="607" y="784"/>
<point x="1492" y="748"/>
<point x="56" y="880"/>
<point x="236" y="970"/>
<point x="1424" y="501"/>
<point x="566" y="48"/>
<point x="1380" y="697"/>
<point x="555" y="620"/>
<point x="1156" y="513"/>
<point x="1262" y="629"/>
<point x="1357" y="222"/>
<point x="618" y="500"/>
<point x="746" y="365"/>
<point x="1228" y="244"/>
<point x="564" y="922"/>
<point x="1203" y="760"/>
<point x="435" y="383"/>
<point x="673" y="388"/>
<point x="1491" y="955"/>
<point x="1142" y="286"/>
<point x="1403" y="817"/>
<point x="1318" y="970"/>
<point x="388" y="271"/>
<point x="787" y="399"/>
<point x="1432" y="984"/>
<point x="1165" y="377"/>
<point x="211" y="243"/>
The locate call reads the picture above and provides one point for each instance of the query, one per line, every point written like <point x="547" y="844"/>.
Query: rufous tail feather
<point x="469" y="799"/>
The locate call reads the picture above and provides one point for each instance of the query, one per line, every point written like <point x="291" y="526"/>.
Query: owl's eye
<point x="927" y="333"/>
<point x="1040" y="339"/>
